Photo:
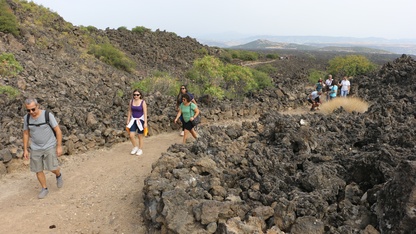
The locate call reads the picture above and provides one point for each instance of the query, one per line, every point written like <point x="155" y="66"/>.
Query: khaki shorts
<point x="43" y="160"/>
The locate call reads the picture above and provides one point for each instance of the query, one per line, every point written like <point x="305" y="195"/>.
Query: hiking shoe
<point x="134" y="150"/>
<point x="59" y="181"/>
<point x="182" y="133"/>
<point x="139" y="152"/>
<point x="43" y="193"/>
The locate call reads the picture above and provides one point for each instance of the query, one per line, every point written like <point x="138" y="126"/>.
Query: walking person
<point x="183" y="90"/>
<point x="42" y="129"/>
<point x="328" y="83"/>
<point x="345" y="86"/>
<point x="333" y="92"/>
<point x="189" y="111"/>
<point x="137" y="121"/>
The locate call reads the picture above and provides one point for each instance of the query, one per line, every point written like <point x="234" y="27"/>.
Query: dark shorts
<point x="316" y="100"/>
<point x="188" y="125"/>
<point x="134" y="127"/>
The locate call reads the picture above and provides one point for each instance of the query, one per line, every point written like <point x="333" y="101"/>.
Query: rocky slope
<point x="341" y="173"/>
<point x="310" y="173"/>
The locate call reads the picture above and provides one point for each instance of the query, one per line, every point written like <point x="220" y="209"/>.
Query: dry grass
<point x="349" y="104"/>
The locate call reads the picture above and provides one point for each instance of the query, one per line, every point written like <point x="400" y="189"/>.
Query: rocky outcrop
<point x="339" y="173"/>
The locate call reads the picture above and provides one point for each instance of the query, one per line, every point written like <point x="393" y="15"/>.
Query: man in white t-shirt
<point x="345" y="87"/>
<point x="314" y="99"/>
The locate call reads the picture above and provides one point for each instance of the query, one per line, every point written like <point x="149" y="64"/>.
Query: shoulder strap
<point x="47" y="117"/>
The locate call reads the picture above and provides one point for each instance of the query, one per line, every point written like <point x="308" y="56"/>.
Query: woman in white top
<point x="345" y="87"/>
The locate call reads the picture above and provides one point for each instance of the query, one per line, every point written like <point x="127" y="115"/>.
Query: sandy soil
<point x="102" y="192"/>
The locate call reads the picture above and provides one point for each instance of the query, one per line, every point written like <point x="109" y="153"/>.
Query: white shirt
<point x="328" y="82"/>
<point x="345" y="85"/>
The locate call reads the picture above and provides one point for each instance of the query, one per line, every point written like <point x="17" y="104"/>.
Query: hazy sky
<point x="391" y="19"/>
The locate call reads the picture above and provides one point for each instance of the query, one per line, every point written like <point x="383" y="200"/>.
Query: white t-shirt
<point x="314" y="95"/>
<point x="345" y="85"/>
<point x="328" y="82"/>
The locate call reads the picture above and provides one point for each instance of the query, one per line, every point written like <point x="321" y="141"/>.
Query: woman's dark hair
<point x="186" y="96"/>
<point x="180" y="88"/>
<point x="136" y="90"/>
<point x="179" y="97"/>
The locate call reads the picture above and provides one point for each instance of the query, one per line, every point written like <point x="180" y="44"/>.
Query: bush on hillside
<point x="8" y="21"/>
<point x="140" y="29"/>
<point x="244" y="55"/>
<point x="211" y="76"/>
<point x="9" y="66"/>
<point x="112" y="56"/>
<point x="266" y="68"/>
<point x="262" y="79"/>
<point x="158" y="82"/>
<point x="238" y="80"/>
<point x="272" y="56"/>
<point x="315" y="75"/>
<point x="122" y="28"/>
<point x="350" y="65"/>
<point x="9" y="91"/>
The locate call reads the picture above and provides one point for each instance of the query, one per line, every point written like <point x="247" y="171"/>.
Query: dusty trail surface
<point x="102" y="192"/>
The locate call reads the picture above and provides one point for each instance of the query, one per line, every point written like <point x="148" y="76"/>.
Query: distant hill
<point x="269" y="45"/>
<point x="380" y="45"/>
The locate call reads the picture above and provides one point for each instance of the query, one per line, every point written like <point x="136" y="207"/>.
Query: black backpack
<point x="46" y="121"/>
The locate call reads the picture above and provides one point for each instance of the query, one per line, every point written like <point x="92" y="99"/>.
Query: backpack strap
<point x="46" y="121"/>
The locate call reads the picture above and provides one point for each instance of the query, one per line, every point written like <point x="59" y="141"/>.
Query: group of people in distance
<point x="330" y="88"/>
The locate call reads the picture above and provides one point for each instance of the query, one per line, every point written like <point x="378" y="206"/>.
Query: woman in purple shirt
<point x="137" y="121"/>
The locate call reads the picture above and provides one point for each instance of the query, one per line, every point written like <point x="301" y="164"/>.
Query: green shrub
<point x="272" y="56"/>
<point x="244" y="55"/>
<point x="90" y="28"/>
<point x="158" y="82"/>
<point x="8" y="21"/>
<point x="238" y="81"/>
<point x="9" y="66"/>
<point x="140" y="29"/>
<point x="211" y="76"/>
<point x="8" y="90"/>
<point x="208" y="71"/>
<point x="112" y="56"/>
<point x="350" y="65"/>
<point x="262" y="79"/>
<point x="266" y="68"/>
<point x="122" y="28"/>
<point x="216" y="92"/>
<point x="315" y="75"/>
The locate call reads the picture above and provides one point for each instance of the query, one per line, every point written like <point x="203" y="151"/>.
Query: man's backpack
<point x="46" y="121"/>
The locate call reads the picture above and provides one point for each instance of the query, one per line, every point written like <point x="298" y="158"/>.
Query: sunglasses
<point x="31" y="110"/>
<point x="183" y="88"/>
<point x="136" y="94"/>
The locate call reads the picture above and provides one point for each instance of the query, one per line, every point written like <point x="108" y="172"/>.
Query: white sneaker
<point x="139" y="152"/>
<point x="182" y="133"/>
<point x="134" y="150"/>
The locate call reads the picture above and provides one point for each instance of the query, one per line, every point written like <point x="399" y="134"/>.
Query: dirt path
<point x="102" y="192"/>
